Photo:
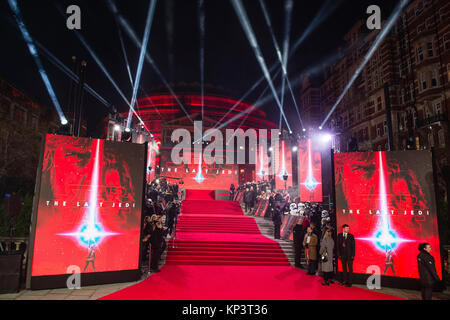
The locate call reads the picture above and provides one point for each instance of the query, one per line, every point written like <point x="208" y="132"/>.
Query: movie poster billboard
<point x="310" y="172"/>
<point x="89" y="208"/>
<point x="198" y="176"/>
<point x="388" y="201"/>
<point x="283" y="166"/>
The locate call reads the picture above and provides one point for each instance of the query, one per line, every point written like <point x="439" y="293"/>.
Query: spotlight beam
<point x="283" y="58"/>
<point x="246" y="116"/>
<point x="124" y="52"/>
<point x="324" y="12"/>
<point x="57" y="63"/>
<point x="132" y="35"/>
<point x="240" y="11"/>
<point x="201" y="15"/>
<point x="380" y="37"/>
<point x="101" y="66"/>
<point x="241" y="114"/>
<point x="33" y="51"/>
<point x="148" y="26"/>
<point x="320" y="16"/>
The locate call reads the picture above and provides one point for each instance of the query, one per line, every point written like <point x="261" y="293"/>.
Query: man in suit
<point x="346" y="253"/>
<point x="427" y="271"/>
<point x="276" y="218"/>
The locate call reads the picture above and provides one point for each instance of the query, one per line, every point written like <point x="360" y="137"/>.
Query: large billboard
<point x="198" y="176"/>
<point x="309" y="172"/>
<point x="89" y="208"/>
<point x="283" y="166"/>
<point x="388" y="201"/>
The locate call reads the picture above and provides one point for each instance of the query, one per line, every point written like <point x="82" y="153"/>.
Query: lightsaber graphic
<point x="261" y="163"/>
<point x="199" y="177"/>
<point x="310" y="183"/>
<point x="91" y="231"/>
<point x="283" y="170"/>
<point x="384" y="237"/>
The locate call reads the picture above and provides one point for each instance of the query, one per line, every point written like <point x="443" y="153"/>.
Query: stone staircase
<point x="266" y="228"/>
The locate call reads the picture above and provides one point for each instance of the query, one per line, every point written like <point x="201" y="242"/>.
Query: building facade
<point x="405" y="83"/>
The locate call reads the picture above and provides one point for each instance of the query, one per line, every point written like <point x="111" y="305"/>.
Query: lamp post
<point x="285" y="177"/>
<point x="263" y="173"/>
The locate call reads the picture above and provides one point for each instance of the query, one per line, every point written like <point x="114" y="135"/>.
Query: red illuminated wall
<point x="390" y="196"/>
<point x="90" y="195"/>
<point x="287" y="164"/>
<point x="309" y="172"/>
<point x="215" y="176"/>
<point x="261" y="164"/>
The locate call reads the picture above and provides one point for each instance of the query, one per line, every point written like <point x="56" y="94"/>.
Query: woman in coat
<point x="310" y="243"/>
<point x="326" y="249"/>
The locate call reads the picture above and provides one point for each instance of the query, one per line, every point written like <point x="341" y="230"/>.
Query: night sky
<point x="229" y="60"/>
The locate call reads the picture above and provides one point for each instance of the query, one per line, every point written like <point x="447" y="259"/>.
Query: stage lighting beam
<point x="380" y="37"/>
<point x="245" y="22"/>
<point x="33" y="51"/>
<point x="137" y="80"/>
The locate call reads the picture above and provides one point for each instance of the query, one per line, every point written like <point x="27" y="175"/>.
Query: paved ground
<point x="86" y="293"/>
<point x="96" y="292"/>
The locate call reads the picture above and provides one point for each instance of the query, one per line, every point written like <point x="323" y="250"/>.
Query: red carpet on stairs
<point x="220" y="254"/>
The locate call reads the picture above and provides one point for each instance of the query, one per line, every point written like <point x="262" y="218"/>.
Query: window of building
<point x="385" y="128"/>
<point x="446" y="40"/>
<point x="423" y="81"/>
<point x="429" y="23"/>
<point x="378" y="131"/>
<point x="427" y="112"/>
<point x="411" y="91"/>
<point x="430" y="140"/>
<point x="420" y="28"/>
<point x="419" y="53"/>
<point x="441" y="138"/>
<point x="417" y="143"/>
<point x="402" y="96"/>
<point x="430" y="49"/>
<point x="433" y="77"/>
<point x="419" y="9"/>
<point x="379" y="104"/>
<point x="442" y="14"/>
<point x="438" y="108"/>
<point x="34" y="123"/>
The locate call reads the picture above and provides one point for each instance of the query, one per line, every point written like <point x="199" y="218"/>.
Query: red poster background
<point x="314" y="195"/>
<point x="66" y="187"/>
<point x="408" y="180"/>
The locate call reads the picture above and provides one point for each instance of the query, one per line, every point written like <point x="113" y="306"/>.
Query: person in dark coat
<point x="346" y="253"/>
<point x="298" y="235"/>
<point x="326" y="249"/>
<point x="427" y="271"/>
<point x="247" y="199"/>
<point x="156" y="241"/>
<point x="276" y="218"/>
<point x="232" y="188"/>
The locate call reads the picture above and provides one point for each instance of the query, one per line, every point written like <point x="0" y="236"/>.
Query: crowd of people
<point x="314" y="236"/>
<point x="162" y="207"/>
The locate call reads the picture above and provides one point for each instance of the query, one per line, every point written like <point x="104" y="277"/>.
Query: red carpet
<point x="220" y="254"/>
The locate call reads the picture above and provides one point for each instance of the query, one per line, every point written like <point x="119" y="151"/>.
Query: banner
<point x="89" y="207"/>
<point x="199" y="176"/>
<point x="388" y="201"/>
<point x="309" y="172"/>
<point x="284" y="166"/>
